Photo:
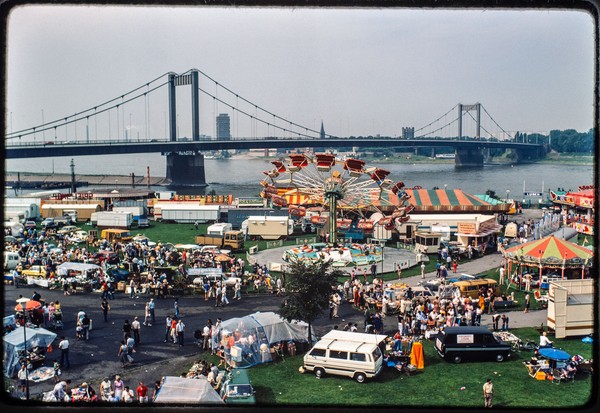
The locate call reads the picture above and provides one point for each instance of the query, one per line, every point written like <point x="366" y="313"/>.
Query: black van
<point x="461" y="343"/>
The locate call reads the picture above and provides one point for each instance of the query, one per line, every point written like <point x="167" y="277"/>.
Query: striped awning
<point x="451" y="200"/>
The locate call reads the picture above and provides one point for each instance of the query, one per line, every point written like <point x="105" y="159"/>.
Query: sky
<point x="360" y="71"/>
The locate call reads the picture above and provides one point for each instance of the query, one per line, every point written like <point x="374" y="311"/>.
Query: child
<point x="56" y="371"/>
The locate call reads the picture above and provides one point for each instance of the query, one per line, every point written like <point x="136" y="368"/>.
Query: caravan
<point x="345" y="353"/>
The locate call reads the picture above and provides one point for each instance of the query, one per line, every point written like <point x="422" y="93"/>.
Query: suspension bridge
<point x="103" y="129"/>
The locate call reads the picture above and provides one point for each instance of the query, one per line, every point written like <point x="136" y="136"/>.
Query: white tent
<point x="13" y="344"/>
<point x="77" y="266"/>
<point x="183" y="390"/>
<point x="254" y="334"/>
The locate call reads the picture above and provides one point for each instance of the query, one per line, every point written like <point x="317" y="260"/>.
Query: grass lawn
<point x="438" y="385"/>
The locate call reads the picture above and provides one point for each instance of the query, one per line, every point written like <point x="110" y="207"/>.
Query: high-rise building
<point x="408" y="133"/>
<point x="223" y="130"/>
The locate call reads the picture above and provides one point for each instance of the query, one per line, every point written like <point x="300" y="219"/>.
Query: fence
<point x="274" y="244"/>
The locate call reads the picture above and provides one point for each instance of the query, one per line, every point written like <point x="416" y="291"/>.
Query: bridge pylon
<point x="185" y="169"/>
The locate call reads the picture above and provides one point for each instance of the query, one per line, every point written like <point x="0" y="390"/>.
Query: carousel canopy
<point x="550" y="249"/>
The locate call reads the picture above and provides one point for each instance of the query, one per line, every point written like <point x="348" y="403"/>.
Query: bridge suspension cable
<point x="438" y="129"/>
<point x="434" y="121"/>
<point x="259" y="107"/>
<point x="77" y="116"/>
<point x="496" y="123"/>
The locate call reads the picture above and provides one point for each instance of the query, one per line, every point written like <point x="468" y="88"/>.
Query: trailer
<point x="235" y="216"/>
<point x="137" y="211"/>
<point x="268" y="228"/>
<point x="112" y="219"/>
<point x="83" y="212"/>
<point x="571" y="307"/>
<point x="233" y="240"/>
<point x="186" y="212"/>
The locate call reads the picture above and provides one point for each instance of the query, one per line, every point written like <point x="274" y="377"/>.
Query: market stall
<point x="181" y="390"/>
<point x="252" y="339"/>
<point x="38" y="339"/>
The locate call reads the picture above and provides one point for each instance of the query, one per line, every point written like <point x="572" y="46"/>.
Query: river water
<point x="241" y="176"/>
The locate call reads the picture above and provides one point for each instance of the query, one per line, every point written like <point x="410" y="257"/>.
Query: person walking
<point x="147" y="316"/>
<point x="180" y="330"/>
<point x="224" y="299"/>
<point x="86" y="323"/>
<point x="167" y="328"/>
<point x="122" y="354"/>
<point x="527" y="303"/>
<point x="218" y="295"/>
<point x="422" y="269"/>
<point x="176" y="308"/>
<point x="126" y="330"/>
<point x="63" y="345"/>
<point x="151" y="308"/>
<point x="135" y="329"/>
<point x="488" y="393"/>
<point x="105" y="389"/>
<point x="105" y="307"/>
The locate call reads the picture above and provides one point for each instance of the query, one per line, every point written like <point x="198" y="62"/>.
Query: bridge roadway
<point x="111" y="147"/>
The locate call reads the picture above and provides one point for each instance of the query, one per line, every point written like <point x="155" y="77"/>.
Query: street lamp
<point x="23" y="301"/>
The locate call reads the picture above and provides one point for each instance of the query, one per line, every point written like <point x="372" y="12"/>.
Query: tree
<point x="308" y="286"/>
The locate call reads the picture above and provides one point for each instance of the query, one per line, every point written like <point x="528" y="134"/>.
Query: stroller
<point x="57" y="321"/>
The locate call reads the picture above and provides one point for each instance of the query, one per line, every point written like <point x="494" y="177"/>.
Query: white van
<point x="11" y="260"/>
<point x="345" y="353"/>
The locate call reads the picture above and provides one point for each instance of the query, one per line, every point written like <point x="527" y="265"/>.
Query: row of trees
<point x="564" y="141"/>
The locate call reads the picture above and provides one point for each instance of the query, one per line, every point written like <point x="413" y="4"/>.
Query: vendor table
<point x="509" y="338"/>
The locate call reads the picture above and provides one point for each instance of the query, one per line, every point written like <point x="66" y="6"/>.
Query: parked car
<point x="461" y="343"/>
<point x="118" y="274"/>
<point x="67" y="229"/>
<point x="143" y="223"/>
<point x="237" y="388"/>
<point x="81" y="234"/>
<point x="35" y="271"/>
<point x="30" y="225"/>
<point x="49" y="223"/>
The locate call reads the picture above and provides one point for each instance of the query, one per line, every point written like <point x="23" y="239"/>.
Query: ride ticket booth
<point x="480" y="235"/>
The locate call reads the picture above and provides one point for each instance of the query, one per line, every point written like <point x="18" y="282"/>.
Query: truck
<point x="219" y="229"/>
<point x="233" y="240"/>
<point x="268" y="227"/>
<point x="116" y="234"/>
<point x="111" y="219"/>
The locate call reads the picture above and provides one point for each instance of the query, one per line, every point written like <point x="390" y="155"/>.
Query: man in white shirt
<point x="135" y="328"/>
<point x="180" y="327"/>
<point x="545" y="341"/>
<point x="63" y="345"/>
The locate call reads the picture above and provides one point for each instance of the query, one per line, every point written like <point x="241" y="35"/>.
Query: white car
<point x="229" y="281"/>
<point x="67" y="229"/>
<point x="81" y="234"/>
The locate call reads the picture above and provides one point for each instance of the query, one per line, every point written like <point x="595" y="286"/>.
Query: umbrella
<point x="552" y="353"/>
<point x="30" y="305"/>
<point x="222" y="257"/>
